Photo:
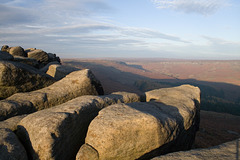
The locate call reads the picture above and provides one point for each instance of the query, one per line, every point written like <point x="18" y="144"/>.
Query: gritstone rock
<point x="5" y="48"/>
<point x="75" y="84"/>
<point x="17" y="77"/>
<point x="144" y="130"/>
<point x="39" y="55"/>
<point x="58" y="132"/>
<point x="12" y="123"/>
<point x="226" y="151"/>
<point x="5" y="56"/>
<point x="17" y="51"/>
<point x="10" y="146"/>
<point x="59" y="71"/>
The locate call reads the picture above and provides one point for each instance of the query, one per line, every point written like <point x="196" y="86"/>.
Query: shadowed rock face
<point x="17" y="77"/>
<point x="76" y="84"/>
<point x="229" y="150"/>
<point x="10" y="146"/>
<point x="58" y="132"/>
<point x="144" y="130"/>
<point x="5" y="56"/>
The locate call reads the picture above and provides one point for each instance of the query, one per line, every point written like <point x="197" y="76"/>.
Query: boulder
<point x="58" y="132"/>
<point x="45" y="68"/>
<point x="59" y="71"/>
<point x="12" y="123"/>
<point x="53" y="57"/>
<point x="25" y="60"/>
<point x="229" y="150"/>
<point x="10" y="147"/>
<point x="17" y="77"/>
<point x="39" y="55"/>
<point x="5" y="48"/>
<point x="17" y="51"/>
<point x="75" y="84"/>
<point x="144" y="130"/>
<point x="29" y="49"/>
<point x="5" y="56"/>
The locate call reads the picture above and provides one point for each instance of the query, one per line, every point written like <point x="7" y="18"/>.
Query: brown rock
<point x="5" y="48"/>
<point x="10" y="147"/>
<point x="226" y="151"/>
<point x="144" y="130"/>
<point x="39" y="55"/>
<point x="75" y="84"/>
<point x="25" y="60"/>
<point x="5" y="56"/>
<point x="17" y="51"/>
<point x="46" y="133"/>
<point x="12" y="123"/>
<point x="17" y="77"/>
<point x="59" y="71"/>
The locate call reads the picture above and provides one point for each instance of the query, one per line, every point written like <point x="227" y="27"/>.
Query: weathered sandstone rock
<point x="17" y="51"/>
<point x="45" y="68"/>
<point x="226" y="151"/>
<point x="5" y="56"/>
<point x="17" y="77"/>
<point x="59" y="71"/>
<point x="12" y="123"/>
<point x="53" y="57"/>
<point x="29" y="49"/>
<point x="5" y="48"/>
<point x="10" y="147"/>
<point x="75" y="84"/>
<point x="29" y="61"/>
<point x="39" y="55"/>
<point x="144" y="130"/>
<point x="58" y="132"/>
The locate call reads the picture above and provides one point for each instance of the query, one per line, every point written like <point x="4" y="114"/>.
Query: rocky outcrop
<point x="25" y="60"/>
<point x="229" y="150"/>
<point x="5" y="56"/>
<point x="59" y="71"/>
<point x="17" y="77"/>
<point x="52" y="58"/>
<point x="10" y="147"/>
<point x="12" y="123"/>
<point x="17" y="51"/>
<point x="39" y="55"/>
<point x="143" y="130"/>
<point x="58" y="132"/>
<point x="76" y="84"/>
<point x="5" y="48"/>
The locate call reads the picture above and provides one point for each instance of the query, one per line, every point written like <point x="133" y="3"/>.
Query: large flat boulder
<point x="226" y="151"/>
<point x="59" y="71"/>
<point x="59" y="132"/>
<point x="75" y="84"/>
<point x="144" y="130"/>
<point x="17" y="77"/>
<point x="10" y="146"/>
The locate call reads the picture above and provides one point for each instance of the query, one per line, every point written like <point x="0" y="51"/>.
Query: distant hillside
<point x="139" y="76"/>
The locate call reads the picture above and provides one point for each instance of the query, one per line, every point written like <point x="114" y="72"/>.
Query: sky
<point x="180" y="29"/>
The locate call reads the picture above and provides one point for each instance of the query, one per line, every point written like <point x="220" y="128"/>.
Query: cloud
<point x="10" y="15"/>
<point x="203" y="7"/>
<point x="149" y="33"/>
